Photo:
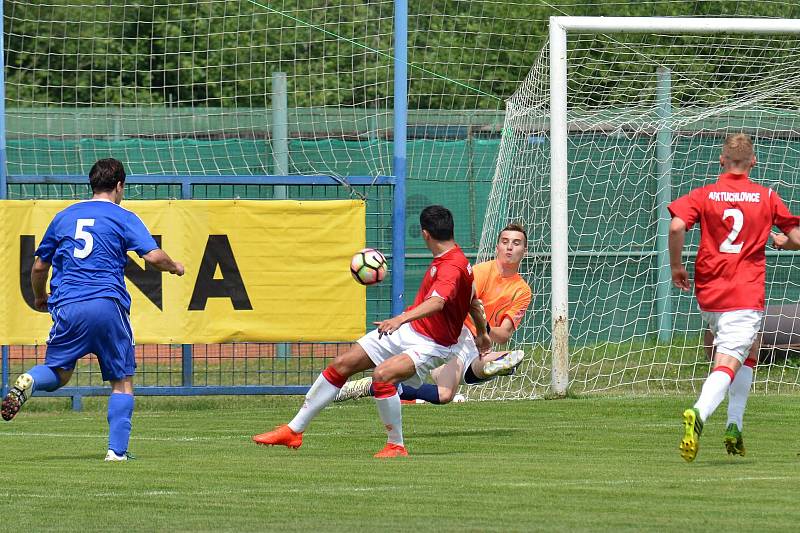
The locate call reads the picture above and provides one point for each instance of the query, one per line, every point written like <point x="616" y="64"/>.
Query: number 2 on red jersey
<point x="727" y="246"/>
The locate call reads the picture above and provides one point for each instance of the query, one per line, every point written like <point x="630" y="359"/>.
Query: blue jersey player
<point x="87" y="245"/>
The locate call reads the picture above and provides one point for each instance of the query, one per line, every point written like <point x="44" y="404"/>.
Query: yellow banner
<point x="272" y="270"/>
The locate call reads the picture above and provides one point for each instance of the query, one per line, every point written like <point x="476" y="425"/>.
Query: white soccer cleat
<point x="504" y="365"/>
<point x="459" y="398"/>
<point x="111" y="456"/>
<point x="17" y="396"/>
<point x="354" y="389"/>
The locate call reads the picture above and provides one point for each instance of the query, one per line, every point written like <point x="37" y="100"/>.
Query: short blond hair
<point x="738" y="149"/>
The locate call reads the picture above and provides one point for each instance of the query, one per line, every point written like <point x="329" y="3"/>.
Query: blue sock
<point x="44" y="378"/>
<point x="120" y="410"/>
<point x="427" y="392"/>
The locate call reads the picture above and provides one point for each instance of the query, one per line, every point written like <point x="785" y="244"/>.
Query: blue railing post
<point x="187" y="367"/>
<point x="3" y="162"/>
<point x="3" y="155"/>
<point x="5" y="370"/>
<point x="399" y="159"/>
<point x="187" y="362"/>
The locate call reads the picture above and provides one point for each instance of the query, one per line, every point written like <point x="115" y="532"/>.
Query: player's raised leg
<point x="357" y="388"/>
<point x="692" y="429"/>
<point x="40" y="377"/>
<point x="362" y="388"/>
<point x="498" y="364"/>
<point x="321" y="393"/>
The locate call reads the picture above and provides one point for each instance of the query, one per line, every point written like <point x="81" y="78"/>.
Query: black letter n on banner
<point x="27" y="247"/>
<point x="219" y="252"/>
<point x="148" y="279"/>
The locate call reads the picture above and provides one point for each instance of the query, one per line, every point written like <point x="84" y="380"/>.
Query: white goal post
<point x="559" y="28"/>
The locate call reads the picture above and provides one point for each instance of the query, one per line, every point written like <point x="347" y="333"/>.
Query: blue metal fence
<point x="241" y="368"/>
<point x="386" y="214"/>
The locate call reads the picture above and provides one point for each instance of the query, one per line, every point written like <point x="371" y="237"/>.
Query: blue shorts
<point x="100" y="326"/>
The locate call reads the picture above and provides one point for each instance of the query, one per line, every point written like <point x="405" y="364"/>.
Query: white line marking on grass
<point x="104" y="436"/>
<point x="317" y="490"/>
<point x="311" y="491"/>
<point x="556" y="484"/>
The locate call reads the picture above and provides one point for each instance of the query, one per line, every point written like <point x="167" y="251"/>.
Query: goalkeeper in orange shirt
<point x="505" y="297"/>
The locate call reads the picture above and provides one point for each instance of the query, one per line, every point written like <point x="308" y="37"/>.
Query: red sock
<point x="725" y="369"/>
<point x="333" y="377"/>
<point x="383" y="389"/>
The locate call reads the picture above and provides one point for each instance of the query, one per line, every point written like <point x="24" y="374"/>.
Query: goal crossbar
<point x="682" y="25"/>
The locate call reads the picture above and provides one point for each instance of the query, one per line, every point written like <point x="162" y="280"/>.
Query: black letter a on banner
<point x="219" y="252"/>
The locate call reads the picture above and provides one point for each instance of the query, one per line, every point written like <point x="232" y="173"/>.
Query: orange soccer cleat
<point x="280" y="436"/>
<point x="392" y="450"/>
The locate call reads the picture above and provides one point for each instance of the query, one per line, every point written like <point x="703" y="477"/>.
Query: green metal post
<point x="280" y="152"/>
<point x="663" y="198"/>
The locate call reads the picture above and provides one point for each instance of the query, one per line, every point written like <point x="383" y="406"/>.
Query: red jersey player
<point x="735" y="217"/>
<point x="406" y="347"/>
<point x="504" y="296"/>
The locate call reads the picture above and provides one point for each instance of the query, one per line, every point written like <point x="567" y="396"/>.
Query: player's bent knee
<point x="122" y="386"/>
<point x="395" y="369"/>
<point x="352" y="361"/>
<point x="446" y="395"/>
<point x="63" y="376"/>
<point x="382" y="375"/>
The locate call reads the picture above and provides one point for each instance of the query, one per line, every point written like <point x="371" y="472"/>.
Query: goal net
<point x="646" y="116"/>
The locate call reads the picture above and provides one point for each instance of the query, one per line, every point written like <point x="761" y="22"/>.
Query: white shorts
<point x="734" y="331"/>
<point x="467" y="352"/>
<point x="424" y="352"/>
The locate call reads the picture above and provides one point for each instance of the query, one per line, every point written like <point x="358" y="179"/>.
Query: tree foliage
<point x="217" y="53"/>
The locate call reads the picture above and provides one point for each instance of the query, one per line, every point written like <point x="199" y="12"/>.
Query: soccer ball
<point x="459" y="398"/>
<point x="368" y="266"/>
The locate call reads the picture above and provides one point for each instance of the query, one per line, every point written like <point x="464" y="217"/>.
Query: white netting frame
<point x="602" y="358"/>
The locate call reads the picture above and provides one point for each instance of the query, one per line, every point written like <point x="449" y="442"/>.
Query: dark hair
<point x="513" y="226"/>
<point x="105" y="174"/>
<point x="437" y="221"/>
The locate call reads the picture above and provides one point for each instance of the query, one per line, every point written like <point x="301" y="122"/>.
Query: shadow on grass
<point x="93" y="457"/>
<point x="496" y="432"/>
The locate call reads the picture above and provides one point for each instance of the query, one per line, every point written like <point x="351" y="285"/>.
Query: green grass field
<point x="598" y="464"/>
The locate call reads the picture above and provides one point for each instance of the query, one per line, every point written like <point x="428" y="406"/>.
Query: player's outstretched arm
<point x="677" y="238"/>
<point x="431" y="306"/>
<point x="502" y="333"/>
<point x="159" y="259"/>
<point x="790" y="241"/>
<point x="39" y="273"/>
<point x="478" y="315"/>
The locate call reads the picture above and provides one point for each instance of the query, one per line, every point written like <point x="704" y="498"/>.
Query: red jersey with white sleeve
<point x="735" y="217"/>
<point x="449" y="277"/>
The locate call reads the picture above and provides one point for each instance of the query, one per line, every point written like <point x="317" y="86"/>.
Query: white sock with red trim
<point x="322" y="392"/>
<point x="390" y="411"/>
<point x="713" y="392"/>
<point x="738" y="393"/>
